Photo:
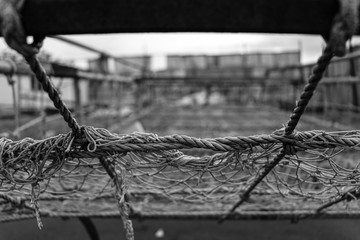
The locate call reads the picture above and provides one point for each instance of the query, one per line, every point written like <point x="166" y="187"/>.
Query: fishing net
<point x="161" y="180"/>
<point x="286" y="173"/>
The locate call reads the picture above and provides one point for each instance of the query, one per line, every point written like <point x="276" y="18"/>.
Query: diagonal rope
<point x="344" y="26"/>
<point x="305" y="97"/>
<point x="53" y="94"/>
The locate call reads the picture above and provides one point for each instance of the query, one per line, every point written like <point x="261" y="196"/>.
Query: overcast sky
<point x="161" y="44"/>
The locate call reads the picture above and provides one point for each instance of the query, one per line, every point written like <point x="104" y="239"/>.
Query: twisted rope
<point x="344" y="26"/>
<point x="53" y="94"/>
<point x="314" y="79"/>
<point x="300" y="107"/>
<point x="15" y="37"/>
<point x="99" y="142"/>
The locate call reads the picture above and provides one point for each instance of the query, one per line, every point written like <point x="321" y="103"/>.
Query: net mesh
<point x="161" y="180"/>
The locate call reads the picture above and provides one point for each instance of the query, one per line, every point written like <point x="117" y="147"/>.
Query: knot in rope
<point x="289" y="149"/>
<point x="345" y="25"/>
<point x="287" y="139"/>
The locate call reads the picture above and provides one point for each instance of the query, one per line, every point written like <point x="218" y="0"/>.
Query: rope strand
<point x="53" y="94"/>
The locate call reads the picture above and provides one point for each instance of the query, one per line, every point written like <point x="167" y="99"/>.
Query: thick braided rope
<point x="53" y="94"/>
<point x="309" y="89"/>
<point x="101" y="145"/>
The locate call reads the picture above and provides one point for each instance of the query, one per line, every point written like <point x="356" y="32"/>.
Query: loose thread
<point x="35" y="192"/>
<point x="120" y="197"/>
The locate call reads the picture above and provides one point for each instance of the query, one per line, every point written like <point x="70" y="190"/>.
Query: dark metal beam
<point x="58" y="70"/>
<point x="102" y="53"/>
<point x="120" y="16"/>
<point x="216" y="81"/>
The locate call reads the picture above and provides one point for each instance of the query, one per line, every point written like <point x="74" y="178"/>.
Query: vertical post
<point x="18" y="95"/>
<point x="15" y="104"/>
<point x="139" y="95"/>
<point x="355" y="97"/>
<point x="118" y="102"/>
<point x="353" y="74"/>
<point x="43" y="115"/>
<point x="208" y="88"/>
<point x="325" y="101"/>
<point x="77" y="98"/>
<point x="294" y="92"/>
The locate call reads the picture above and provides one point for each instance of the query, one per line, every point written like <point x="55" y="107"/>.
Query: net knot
<point x="77" y="137"/>
<point x="288" y="140"/>
<point x="289" y="149"/>
<point x="80" y="134"/>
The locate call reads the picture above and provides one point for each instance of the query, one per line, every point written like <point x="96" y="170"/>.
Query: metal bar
<point x="56" y="70"/>
<point x="77" y="97"/>
<point x="102" y="53"/>
<point x="21" y="69"/>
<point x="350" y="56"/>
<point x="218" y="81"/>
<point x="340" y="79"/>
<point x="35" y="121"/>
<point x="119" y="16"/>
<point x="101" y="77"/>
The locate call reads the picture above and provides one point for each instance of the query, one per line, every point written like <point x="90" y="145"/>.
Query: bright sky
<point x="160" y="44"/>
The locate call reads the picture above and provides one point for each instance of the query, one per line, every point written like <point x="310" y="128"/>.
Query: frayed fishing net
<point x="161" y="180"/>
<point x="92" y="172"/>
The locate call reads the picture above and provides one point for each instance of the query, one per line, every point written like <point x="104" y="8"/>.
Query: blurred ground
<point x="198" y="121"/>
<point x="56" y="229"/>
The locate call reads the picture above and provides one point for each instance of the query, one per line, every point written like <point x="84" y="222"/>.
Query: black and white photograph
<point x="179" y="119"/>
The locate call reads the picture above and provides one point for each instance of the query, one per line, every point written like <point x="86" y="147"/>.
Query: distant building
<point x="104" y="93"/>
<point x="130" y="66"/>
<point x="230" y="65"/>
<point x="137" y="65"/>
